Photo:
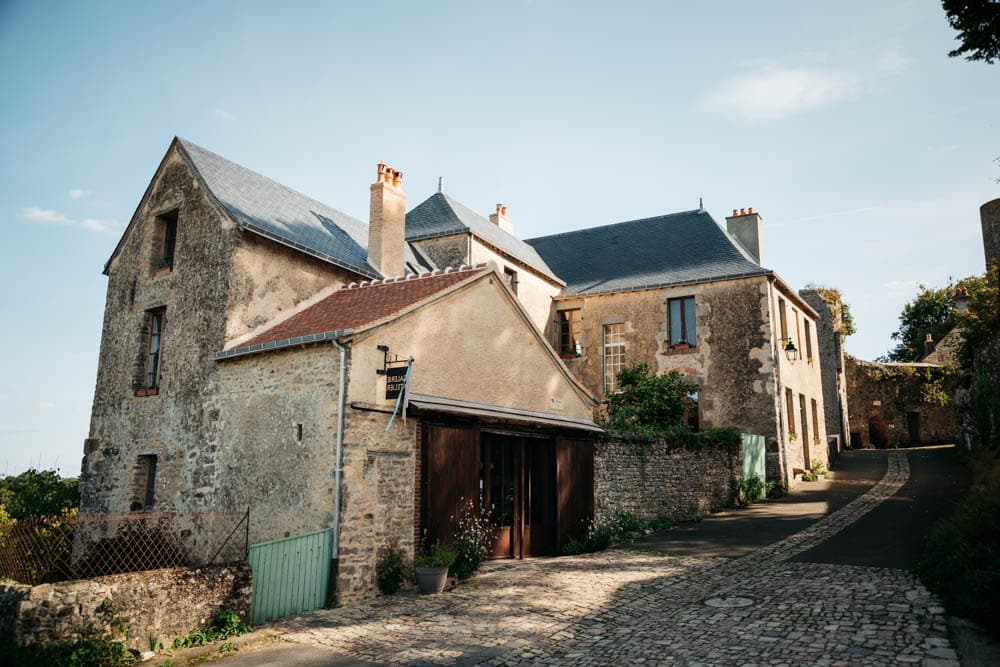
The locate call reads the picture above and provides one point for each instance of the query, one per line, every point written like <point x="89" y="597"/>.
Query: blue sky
<point x="866" y="149"/>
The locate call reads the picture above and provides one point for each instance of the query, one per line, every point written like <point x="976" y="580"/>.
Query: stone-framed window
<point x="143" y="483"/>
<point x="614" y="355"/>
<point x="682" y="321"/>
<point x="156" y="320"/>
<point x="790" y="410"/>
<point x="165" y="241"/>
<point x="809" y="342"/>
<point x="510" y="275"/>
<point x="569" y="332"/>
<point x="815" y="414"/>
<point x="783" y="319"/>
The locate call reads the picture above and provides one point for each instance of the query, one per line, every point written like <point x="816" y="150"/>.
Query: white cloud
<point x="95" y="225"/>
<point x="37" y="214"/>
<point x="46" y="405"/>
<point x="892" y="62"/>
<point x="78" y="193"/>
<point x="776" y="92"/>
<point x="222" y="114"/>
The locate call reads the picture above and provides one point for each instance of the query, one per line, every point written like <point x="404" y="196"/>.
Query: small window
<point x="783" y="317"/>
<point x="682" y="322"/>
<point x="790" y="409"/>
<point x="143" y="483"/>
<point x="167" y="235"/>
<point x="569" y="333"/>
<point x="614" y="355"/>
<point x="510" y="275"/>
<point x="798" y="331"/>
<point x="815" y="411"/>
<point x="154" y="348"/>
<point x="805" y="417"/>
<point x="809" y="341"/>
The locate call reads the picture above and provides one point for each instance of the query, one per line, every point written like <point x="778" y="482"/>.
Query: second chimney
<point x="387" y="223"/>
<point x="745" y="226"/>
<point x="501" y="220"/>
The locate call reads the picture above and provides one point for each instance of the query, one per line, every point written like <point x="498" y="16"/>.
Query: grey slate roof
<point x="271" y="209"/>
<point x="440" y="215"/>
<point x="680" y="248"/>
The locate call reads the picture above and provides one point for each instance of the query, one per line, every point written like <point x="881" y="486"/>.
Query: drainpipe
<point x="342" y="400"/>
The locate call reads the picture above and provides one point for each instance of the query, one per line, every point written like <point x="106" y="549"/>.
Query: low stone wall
<point x="164" y="604"/>
<point x="659" y="478"/>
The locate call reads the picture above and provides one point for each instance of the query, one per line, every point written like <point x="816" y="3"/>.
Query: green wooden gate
<point x="290" y="576"/>
<point x="754" y="457"/>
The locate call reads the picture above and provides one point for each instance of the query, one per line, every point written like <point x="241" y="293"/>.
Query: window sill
<point x="571" y="356"/>
<point x="165" y="271"/>
<point x="681" y="348"/>
<point x="149" y="391"/>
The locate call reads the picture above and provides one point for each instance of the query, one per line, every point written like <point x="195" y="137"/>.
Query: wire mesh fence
<point x="47" y="549"/>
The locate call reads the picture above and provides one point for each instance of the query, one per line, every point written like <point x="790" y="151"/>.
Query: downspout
<point x="339" y="448"/>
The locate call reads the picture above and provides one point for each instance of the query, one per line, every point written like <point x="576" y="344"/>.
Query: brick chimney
<point x="962" y="301"/>
<point x="745" y="226"/>
<point x="929" y="344"/>
<point x="501" y="220"/>
<point x="387" y="222"/>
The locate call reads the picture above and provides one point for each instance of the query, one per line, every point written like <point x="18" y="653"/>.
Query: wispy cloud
<point x="46" y="405"/>
<point x="78" y="193"/>
<point x="892" y="62"/>
<point x="36" y="214"/>
<point x="778" y="92"/>
<point x="95" y="225"/>
<point x="222" y="114"/>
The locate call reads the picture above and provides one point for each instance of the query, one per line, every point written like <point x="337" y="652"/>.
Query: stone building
<point x="830" y="335"/>
<point x="680" y="293"/>
<point x="245" y="329"/>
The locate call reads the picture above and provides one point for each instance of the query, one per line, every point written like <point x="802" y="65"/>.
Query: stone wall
<point x="659" y="478"/>
<point x="164" y="604"/>
<point x="883" y="398"/>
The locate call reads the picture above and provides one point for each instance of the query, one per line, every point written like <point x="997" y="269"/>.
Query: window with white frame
<point x="614" y="355"/>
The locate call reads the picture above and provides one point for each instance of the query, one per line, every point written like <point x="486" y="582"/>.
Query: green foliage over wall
<point x="930" y="312"/>
<point x="38" y="493"/>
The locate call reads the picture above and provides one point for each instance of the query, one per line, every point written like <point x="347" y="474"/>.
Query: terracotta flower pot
<point x="431" y="579"/>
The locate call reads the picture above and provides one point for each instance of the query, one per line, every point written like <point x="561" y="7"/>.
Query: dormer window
<point x="166" y="241"/>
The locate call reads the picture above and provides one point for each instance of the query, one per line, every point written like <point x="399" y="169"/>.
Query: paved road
<point x="778" y="603"/>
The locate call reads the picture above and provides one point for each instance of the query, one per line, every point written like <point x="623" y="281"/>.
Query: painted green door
<point x="290" y="576"/>
<point x="754" y="457"/>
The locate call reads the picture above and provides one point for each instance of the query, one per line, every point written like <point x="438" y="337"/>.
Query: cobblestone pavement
<point x="620" y="607"/>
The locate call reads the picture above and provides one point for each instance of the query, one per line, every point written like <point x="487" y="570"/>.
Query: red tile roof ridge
<point x="416" y="276"/>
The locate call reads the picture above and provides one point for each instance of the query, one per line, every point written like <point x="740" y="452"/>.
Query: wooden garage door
<point x="451" y="477"/>
<point x="575" y="488"/>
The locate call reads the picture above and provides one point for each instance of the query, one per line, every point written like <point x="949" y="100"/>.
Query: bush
<point x="227" y="624"/>
<point x="648" y="403"/>
<point x="624" y="526"/>
<point x="390" y="570"/>
<point x="473" y="538"/>
<point x="962" y="560"/>
<point x="754" y="488"/>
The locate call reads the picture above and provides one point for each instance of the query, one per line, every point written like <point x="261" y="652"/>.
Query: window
<point x="510" y="275"/>
<point x="167" y="235"/>
<point x="143" y="483"/>
<point x="790" y="410"/>
<point x="783" y="316"/>
<point x="798" y="331"/>
<point x="805" y="422"/>
<point x="614" y="355"/>
<point x="815" y="412"/>
<point x="154" y="347"/>
<point x="809" y="342"/>
<point x="569" y="333"/>
<point x="682" y="321"/>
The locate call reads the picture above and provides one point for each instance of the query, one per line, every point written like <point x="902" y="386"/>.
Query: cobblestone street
<point x="620" y="607"/>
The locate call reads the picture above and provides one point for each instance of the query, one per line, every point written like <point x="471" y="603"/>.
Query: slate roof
<point x="440" y="215"/>
<point x="356" y="307"/>
<point x="273" y="210"/>
<point x="680" y="248"/>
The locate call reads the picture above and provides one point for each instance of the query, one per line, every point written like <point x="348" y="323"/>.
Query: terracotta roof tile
<point x="356" y="306"/>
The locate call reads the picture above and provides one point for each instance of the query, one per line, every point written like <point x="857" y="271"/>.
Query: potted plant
<point x="431" y="570"/>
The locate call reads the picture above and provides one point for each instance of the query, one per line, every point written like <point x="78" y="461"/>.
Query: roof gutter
<point x="279" y="344"/>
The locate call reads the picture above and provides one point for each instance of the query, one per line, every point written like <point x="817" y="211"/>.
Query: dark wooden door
<point x="451" y="478"/>
<point x="913" y="427"/>
<point x="502" y="486"/>
<point x="539" y="527"/>
<point x="574" y="488"/>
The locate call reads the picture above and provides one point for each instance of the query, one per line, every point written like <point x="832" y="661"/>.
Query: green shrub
<point x="439" y="556"/>
<point x="227" y="623"/>
<point x="962" y="559"/>
<point x="474" y="536"/>
<point x="754" y="488"/>
<point x="390" y="570"/>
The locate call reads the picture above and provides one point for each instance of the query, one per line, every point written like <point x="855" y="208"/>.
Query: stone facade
<point x="661" y="479"/>
<point x="223" y="282"/>
<point x="830" y="336"/>
<point x="736" y="365"/>
<point x="164" y="604"/>
<point x="901" y="404"/>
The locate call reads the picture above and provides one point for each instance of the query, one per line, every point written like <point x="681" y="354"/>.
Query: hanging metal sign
<point x="395" y="381"/>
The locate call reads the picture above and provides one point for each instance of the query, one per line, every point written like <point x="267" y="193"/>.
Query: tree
<point x="649" y="403"/>
<point x="978" y="26"/>
<point x="38" y="493"/>
<point x="930" y="312"/>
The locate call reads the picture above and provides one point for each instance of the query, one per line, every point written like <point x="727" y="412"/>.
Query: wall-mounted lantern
<point x="791" y="352"/>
